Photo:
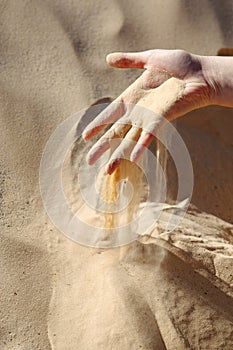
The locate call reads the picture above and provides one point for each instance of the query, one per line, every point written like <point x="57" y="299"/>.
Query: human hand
<point x="172" y="84"/>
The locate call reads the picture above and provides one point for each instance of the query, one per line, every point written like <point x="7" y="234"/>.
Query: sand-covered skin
<point x="56" y="294"/>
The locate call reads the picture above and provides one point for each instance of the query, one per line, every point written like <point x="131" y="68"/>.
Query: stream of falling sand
<point x="112" y="189"/>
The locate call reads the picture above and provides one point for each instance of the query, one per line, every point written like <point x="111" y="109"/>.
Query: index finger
<point x="108" y="116"/>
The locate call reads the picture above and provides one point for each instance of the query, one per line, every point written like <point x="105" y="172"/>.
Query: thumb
<point x="128" y="60"/>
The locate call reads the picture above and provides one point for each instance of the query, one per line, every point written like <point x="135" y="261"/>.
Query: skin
<point x="187" y="81"/>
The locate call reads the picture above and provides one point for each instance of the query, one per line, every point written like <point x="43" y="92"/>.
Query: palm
<point x="171" y="85"/>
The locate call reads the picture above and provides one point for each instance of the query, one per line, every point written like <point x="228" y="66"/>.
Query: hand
<point x="172" y="84"/>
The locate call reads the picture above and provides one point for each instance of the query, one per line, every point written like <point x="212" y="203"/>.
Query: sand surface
<point x="163" y="292"/>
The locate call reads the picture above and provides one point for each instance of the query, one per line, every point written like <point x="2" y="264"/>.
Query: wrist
<point x="218" y="74"/>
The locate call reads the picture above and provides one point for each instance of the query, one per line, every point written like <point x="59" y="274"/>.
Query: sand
<point x="163" y="292"/>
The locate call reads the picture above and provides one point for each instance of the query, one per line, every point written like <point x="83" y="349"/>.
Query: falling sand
<point x="113" y="188"/>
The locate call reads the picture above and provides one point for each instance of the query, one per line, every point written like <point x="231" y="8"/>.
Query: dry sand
<point x="165" y="292"/>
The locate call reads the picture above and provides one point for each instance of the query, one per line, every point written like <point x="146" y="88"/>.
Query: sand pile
<point x="164" y="292"/>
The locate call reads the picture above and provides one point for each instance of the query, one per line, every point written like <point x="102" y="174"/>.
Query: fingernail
<point x="90" y="161"/>
<point x="134" y="157"/>
<point x="112" y="166"/>
<point x="84" y="136"/>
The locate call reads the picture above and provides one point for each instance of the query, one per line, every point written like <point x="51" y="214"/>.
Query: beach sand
<point x="164" y="292"/>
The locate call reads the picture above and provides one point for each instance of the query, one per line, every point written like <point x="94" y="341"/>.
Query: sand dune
<point x="162" y="292"/>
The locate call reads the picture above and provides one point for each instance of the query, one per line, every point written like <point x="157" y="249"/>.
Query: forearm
<point x="218" y="72"/>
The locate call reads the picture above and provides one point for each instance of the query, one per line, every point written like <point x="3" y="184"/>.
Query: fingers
<point x="108" y="116"/>
<point x="96" y="152"/>
<point x="128" y="60"/>
<point x="123" y="150"/>
<point x="126" y="148"/>
<point x="104" y="143"/>
<point x="143" y="142"/>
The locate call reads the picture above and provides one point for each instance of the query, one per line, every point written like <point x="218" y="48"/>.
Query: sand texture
<point x="169" y="292"/>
